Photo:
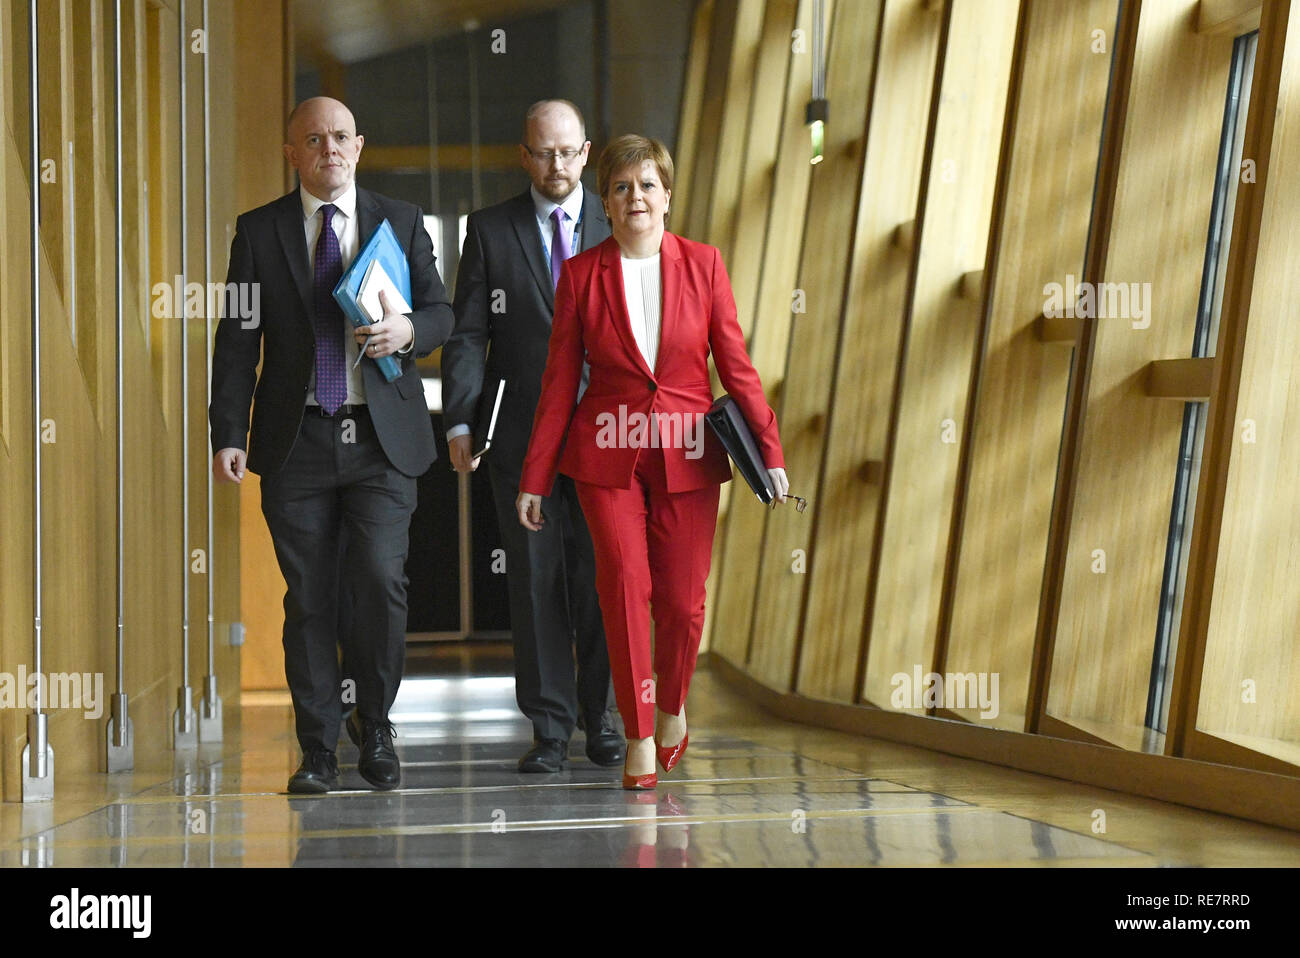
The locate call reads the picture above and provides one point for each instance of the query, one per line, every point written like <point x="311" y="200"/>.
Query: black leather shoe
<point x="545" y="756"/>
<point x="318" y="773"/>
<point x="378" y="762"/>
<point x="604" y="745"/>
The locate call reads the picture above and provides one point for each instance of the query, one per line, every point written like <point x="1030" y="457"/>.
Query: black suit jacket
<point x="270" y="249"/>
<point x="505" y="334"/>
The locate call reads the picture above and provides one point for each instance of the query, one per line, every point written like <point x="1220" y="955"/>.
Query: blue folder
<point x="382" y="246"/>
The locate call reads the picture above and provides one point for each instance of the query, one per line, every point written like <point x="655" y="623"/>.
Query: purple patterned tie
<point x="559" y="245"/>
<point x="331" y="364"/>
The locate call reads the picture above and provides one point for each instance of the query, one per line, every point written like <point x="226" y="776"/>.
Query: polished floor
<point x="751" y="791"/>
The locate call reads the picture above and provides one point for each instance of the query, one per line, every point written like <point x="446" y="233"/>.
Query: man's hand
<point x="529" y="509"/>
<point x="393" y="332"/>
<point x="462" y="447"/>
<point x="228" y="465"/>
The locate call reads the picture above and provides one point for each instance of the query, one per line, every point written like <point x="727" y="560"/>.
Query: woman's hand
<point x="529" y="509"/>
<point x="780" y="484"/>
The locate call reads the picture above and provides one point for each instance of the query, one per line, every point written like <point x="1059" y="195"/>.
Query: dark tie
<point x="559" y="245"/>
<point x="331" y="364"/>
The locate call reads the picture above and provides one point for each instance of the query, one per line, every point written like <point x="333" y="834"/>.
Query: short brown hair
<point x="632" y="149"/>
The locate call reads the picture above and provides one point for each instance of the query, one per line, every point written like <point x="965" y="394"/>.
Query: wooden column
<point x="845" y="510"/>
<point x="930" y="402"/>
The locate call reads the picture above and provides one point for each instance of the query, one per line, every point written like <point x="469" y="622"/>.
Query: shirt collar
<point x="346" y="204"/>
<point x="572" y="204"/>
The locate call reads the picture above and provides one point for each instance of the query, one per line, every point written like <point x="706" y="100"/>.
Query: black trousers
<point x="339" y="515"/>
<point x="561" y="661"/>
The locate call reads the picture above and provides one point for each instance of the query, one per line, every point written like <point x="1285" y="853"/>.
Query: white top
<point x="641" y="289"/>
<point x="344" y="224"/>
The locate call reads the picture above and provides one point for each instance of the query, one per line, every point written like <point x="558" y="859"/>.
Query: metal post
<point x="38" y="755"/>
<point x="185" y="732"/>
<point x="210" y="706"/>
<point x="120" y="745"/>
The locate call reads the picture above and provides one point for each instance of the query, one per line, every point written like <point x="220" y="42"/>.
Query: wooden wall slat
<point x="741" y="533"/>
<point x="771" y="74"/>
<point x="952" y="236"/>
<point x="749" y="224"/>
<point x="725" y="181"/>
<point x="1042" y="218"/>
<point x="6" y="135"/>
<point x="806" y="393"/>
<point x="692" y="220"/>
<point x="1248" y="688"/>
<point x="689" y="131"/>
<point x="1128" y="451"/>
<point x="849" y="495"/>
<point x="260" y="42"/>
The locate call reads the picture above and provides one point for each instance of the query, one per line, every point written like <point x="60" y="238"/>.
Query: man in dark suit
<point x="337" y="447"/>
<point x="505" y="294"/>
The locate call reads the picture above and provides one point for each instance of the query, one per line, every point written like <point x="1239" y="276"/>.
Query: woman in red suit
<point x="645" y="309"/>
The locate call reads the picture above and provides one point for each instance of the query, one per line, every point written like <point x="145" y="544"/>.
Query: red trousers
<point x="653" y="550"/>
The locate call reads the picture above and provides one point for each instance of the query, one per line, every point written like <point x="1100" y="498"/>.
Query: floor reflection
<point x="731" y="801"/>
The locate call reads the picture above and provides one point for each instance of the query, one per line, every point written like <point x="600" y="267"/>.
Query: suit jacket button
<point x="653" y="385"/>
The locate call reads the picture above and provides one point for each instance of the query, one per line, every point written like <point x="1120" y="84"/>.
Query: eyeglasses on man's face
<point x="546" y="156"/>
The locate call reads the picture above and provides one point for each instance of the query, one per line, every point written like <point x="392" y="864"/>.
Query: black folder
<point x="728" y="424"/>
<point x="486" y="428"/>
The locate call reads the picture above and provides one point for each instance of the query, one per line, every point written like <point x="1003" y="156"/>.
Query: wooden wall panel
<point x="6" y="285"/>
<point x="51" y="20"/>
<point x="260" y="42"/>
<point x="725" y="180"/>
<point x="224" y="561"/>
<point x="1248" y="689"/>
<point x="972" y="545"/>
<point x="740" y="535"/>
<point x="1106" y="626"/>
<point x="753" y="207"/>
<point x="938" y="353"/>
<point x="688" y="125"/>
<point x="1042" y="233"/>
<point x="91" y="208"/>
<point x="692" y="220"/>
<point x="15" y="529"/>
<point x="815" y="334"/>
<point x="77" y="379"/>
<point x="749" y="225"/>
<point x="844" y="513"/>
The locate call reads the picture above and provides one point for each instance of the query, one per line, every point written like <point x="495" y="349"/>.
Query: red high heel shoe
<point x="671" y="754"/>
<point x="640" y="782"/>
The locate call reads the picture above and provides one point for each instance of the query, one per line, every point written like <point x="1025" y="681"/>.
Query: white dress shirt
<point x="641" y="289"/>
<point x="572" y="206"/>
<point x="344" y="224"/>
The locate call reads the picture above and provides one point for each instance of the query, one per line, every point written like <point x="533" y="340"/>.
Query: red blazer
<point x="591" y="321"/>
